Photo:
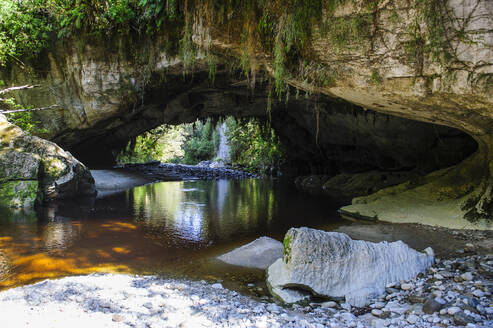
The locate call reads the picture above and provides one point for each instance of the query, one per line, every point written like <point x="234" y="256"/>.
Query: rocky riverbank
<point x="203" y="171"/>
<point x="455" y="292"/>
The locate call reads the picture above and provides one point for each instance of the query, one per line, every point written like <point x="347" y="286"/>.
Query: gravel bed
<point x="455" y="292"/>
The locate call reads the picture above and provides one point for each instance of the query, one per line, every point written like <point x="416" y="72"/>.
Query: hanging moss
<point x="283" y="29"/>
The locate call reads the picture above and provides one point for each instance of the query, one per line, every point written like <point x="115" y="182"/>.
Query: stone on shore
<point x="331" y="264"/>
<point x="35" y="170"/>
<point x="260" y="253"/>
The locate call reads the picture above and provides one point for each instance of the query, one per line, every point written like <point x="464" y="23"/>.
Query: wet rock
<point x="260" y="253"/>
<point x="377" y="312"/>
<point x="333" y="265"/>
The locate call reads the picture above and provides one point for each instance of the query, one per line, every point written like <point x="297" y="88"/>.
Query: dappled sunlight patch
<point x="41" y="266"/>
<point x="121" y="250"/>
<point x="119" y="226"/>
<point x="103" y="254"/>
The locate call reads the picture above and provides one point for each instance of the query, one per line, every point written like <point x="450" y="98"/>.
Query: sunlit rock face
<point x="35" y="170"/>
<point x="331" y="264"/>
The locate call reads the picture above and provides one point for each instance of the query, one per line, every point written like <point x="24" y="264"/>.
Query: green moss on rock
<point x="18" y="193"/>
<point x="287" y="248"/>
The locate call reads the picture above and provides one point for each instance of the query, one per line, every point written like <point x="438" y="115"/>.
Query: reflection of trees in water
<point x="165" y="207"/>
<point x="205" y="210"/>
<point x="59" y="235"/>
<point x="248" y="205"/>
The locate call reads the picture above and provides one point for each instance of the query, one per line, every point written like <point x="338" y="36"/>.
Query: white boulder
<point x="333" y="265"/>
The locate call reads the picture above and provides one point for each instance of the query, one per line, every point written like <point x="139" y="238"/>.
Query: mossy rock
<point x="34" y="170"/>
<point x="19" y="194"/>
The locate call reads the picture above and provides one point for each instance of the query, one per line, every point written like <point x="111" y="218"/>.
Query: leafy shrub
<point x="254" y="146"/>
<point x="202" y="142"/>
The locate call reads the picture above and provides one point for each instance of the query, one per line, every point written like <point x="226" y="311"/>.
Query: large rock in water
<point x="331" y="264"/>
<point x="35" y="170"/>
<point x="260" y="253"/>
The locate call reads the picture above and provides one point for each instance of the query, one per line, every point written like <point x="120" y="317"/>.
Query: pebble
<point x="478" y="293"/>
<point x="377" y="312"/>
<point x="117" y="318"/>
<point x="412" y="318"/>
<point x="453" y="310"/>
<point x="406" y="286"/>
<point x="329" y="304"/>
<point x="467" y="276"/>
<point x="217" y="286"/>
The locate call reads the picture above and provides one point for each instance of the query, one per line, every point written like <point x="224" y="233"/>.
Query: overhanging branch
<point x="27" y="109"/>
<point x="4" y="91"/>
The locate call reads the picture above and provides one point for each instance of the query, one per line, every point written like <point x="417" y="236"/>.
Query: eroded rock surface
<point x="331" y="264"/>
<point x="260" y="253"/>
<point x="36" y="170"/>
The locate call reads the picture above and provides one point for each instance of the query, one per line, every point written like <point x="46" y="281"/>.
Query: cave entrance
<point x="248" y="144"/>
<point x="321" y="138"/>
<point x="320" y="135"/>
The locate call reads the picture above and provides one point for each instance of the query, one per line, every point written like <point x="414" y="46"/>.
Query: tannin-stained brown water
<point x="168" y="228"/>
<point x="177" y="229"/>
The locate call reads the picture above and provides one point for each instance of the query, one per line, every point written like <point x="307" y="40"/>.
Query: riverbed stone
<point x="433" y="305"/>
<point x="331" y="264"/>
<point x="260" y="253"/>
<point x="467" y="276"/>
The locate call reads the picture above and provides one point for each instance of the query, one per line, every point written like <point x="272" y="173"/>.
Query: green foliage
<point x="28" y="26"/>
<point x="375" y="77"/>
<point x="24" y="31"/>
<point x="347" y="31"/>
<point x="286" y="255"/>
<point x="253" y="145"/>
<point x="188" y="50"/>
<point x="164" y="143"/>
<point x="282" y="29"/>
<point x="25" y="121"/>
<point x="202" y="142"/>
<point x="143" y="148"/>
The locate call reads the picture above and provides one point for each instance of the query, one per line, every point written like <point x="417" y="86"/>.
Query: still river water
<point x="168" y="228"/>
